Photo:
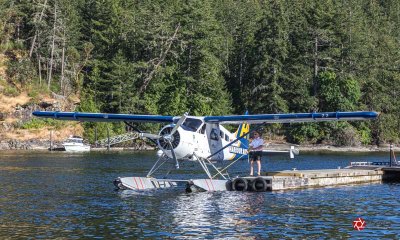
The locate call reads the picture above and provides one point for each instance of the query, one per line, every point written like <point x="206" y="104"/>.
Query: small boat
<point x="75" y="144"/>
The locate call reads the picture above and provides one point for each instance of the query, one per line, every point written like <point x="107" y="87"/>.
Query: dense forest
<point x="214" y="57"/>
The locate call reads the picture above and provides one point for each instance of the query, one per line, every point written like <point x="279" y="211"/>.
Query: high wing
<point x="291" y="117"/>
<point x="230" y="119"/>
<point x="104" y="117"/>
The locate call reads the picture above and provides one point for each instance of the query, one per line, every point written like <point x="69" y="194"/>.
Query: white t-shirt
<point x="257" y="144"/>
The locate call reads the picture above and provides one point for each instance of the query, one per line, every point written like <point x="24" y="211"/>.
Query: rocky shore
<point x="45" y="145"/>
<point x="37" y="144"/>
<point x="24" y="145"/>
<point x="330" y="148"/>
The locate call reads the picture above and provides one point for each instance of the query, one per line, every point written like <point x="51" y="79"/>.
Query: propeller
<point x="179" y="123"/>
<point x="167" y="138"/>
<point x="174" y="157"/>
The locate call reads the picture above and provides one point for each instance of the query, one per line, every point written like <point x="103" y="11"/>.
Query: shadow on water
<point x="54" y="195"/>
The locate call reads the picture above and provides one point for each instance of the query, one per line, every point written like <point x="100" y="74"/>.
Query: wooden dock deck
<point x="292" y="179"/>
<point x="297" y="179"/>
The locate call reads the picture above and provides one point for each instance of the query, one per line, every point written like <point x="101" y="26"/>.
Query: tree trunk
<point x="36" y="31"/>
<point x="315" y="65"/>
<point x="52" y="47"/>
<point x="39" y="69"/>
<point x="63" y="65"/>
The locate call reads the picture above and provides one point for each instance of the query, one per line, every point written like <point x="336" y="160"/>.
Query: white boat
<point x="75" y="144"/>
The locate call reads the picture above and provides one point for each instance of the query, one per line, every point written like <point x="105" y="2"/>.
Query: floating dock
<point x="321" y="178"/>
<point x="272" y="181"/>
<point x="297" y="179"/>
<point x="357" y="172"/>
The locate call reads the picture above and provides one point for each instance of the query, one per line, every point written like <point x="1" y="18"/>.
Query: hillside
<point x="18" y="129"/>
<point x="207" y="58"/>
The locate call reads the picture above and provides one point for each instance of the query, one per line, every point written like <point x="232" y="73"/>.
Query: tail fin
<point x="241" y="131"/>
<point x="241" y="148"/>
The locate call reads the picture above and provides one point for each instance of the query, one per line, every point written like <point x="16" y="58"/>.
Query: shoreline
<point x="44" y="146"/>
<point x="331" y="148"/>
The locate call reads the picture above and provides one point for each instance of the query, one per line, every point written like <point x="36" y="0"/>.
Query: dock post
<point x="95" y="136"/>
<point x="51" y="140"/>
<point x="390" y="152"/>
<point x="108" y="139"/>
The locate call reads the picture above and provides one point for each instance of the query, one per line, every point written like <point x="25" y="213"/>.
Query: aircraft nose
<point x="169" y="141"/>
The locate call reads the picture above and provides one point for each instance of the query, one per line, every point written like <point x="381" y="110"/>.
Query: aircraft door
<point x="215" y="142"/>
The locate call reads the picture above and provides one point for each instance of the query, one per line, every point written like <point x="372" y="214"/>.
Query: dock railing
<point x="392" y="161"/>
<point x="369" y="163"/>
<point x="118" y="139"/>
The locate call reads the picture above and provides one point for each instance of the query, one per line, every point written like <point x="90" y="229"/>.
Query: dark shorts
<point x="255" y="156"/>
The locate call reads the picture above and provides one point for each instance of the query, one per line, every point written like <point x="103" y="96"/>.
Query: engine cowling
<point x="180" y="141"/>
<point x="163" y="142"/>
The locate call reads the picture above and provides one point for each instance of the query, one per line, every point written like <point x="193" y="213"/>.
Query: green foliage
<point x="389" y="128"/>
<point x="271" y="51"/>
<point x="365" y="134"/>
<point x="10" y="91"/>
<point x="344" y="134"/>
<point x="303" y="133"/>
<point x="21" y="71"/>
<point x="36" y="92"/>
<point x="336" y="94"/>
<point x="38" y="123"/>
<point x="93" y="128"/>
<point x="88" y="105"/>
<point x="214" y="57"/>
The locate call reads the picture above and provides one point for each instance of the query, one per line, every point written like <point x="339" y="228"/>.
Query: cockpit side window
<point x="203" y="129"/>
<point x="191" y="124"/>
<point x="214" y="134"/>
<point x="226" y="137"/>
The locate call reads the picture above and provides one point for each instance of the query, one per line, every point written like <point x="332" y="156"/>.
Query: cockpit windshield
<point x="191" y="124"/>
<point x="73" y="140"/>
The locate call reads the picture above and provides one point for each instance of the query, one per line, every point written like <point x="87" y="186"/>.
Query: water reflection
<point x="55" y="196"/>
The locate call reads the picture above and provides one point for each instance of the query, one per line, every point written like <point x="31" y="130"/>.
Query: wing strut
<point x="237" y="139"/>
<point x="139" y="131"/>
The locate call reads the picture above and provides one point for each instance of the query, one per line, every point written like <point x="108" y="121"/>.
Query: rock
<point x="57" y="96"/>
<point x="18" y="145"/>
<point x="6" y="127"/>
<point x="4" y="145"/>
<point x="2" y="116"/>
<point x="45" y="105"/>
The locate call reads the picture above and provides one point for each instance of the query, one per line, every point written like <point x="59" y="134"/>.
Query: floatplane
<point x="201" y="139"/>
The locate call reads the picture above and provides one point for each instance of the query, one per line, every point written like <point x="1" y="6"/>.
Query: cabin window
<point x="203" y="129"/>
<point x="191" y="124"/>
<point x="214" y="134"/>
<point x="226" y="138"/>
<point x="221" y="134"/>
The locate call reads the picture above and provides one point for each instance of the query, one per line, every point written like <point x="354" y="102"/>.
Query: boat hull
<point x="69" y="148"/>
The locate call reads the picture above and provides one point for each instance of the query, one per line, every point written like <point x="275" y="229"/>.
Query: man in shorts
<point x="255" y="148"/>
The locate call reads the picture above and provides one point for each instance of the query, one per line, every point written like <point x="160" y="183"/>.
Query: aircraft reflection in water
<point x="207" y="215"/>
<point x="200" y="139"/>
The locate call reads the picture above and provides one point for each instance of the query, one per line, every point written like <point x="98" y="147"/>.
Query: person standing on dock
<point x="255" y="148"/>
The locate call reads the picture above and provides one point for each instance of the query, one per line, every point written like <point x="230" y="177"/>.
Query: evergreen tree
<point x="270" y="52"/>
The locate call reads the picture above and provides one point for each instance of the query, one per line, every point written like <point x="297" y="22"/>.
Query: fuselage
<point x="195" y="138"/>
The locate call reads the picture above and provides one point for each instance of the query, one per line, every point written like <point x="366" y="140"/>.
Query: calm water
<point x="57" y="195"/>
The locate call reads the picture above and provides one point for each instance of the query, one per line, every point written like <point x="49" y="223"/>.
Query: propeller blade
<point x="178" y="124"/>
<point x="173" y="155"/>
<point x="150" y="135"/>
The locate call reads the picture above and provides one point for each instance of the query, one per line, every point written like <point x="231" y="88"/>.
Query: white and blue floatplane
<point x="201" y="139"/>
